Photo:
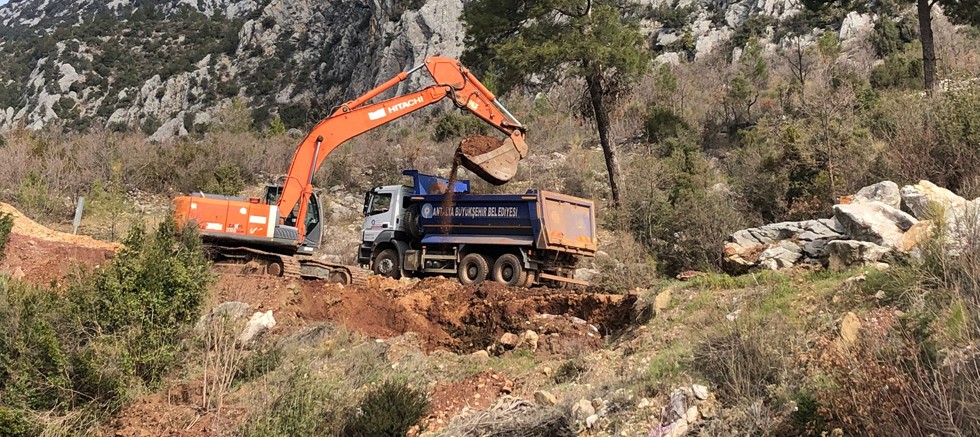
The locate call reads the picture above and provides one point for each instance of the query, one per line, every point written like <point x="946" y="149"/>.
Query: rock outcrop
<point x="876" y="222"/>
<point x="276" y="54"/>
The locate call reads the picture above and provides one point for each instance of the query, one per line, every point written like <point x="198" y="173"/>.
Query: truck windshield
<point x="380" y="203"/>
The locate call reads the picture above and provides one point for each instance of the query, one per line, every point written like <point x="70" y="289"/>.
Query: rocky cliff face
<point x="167" y="68"/>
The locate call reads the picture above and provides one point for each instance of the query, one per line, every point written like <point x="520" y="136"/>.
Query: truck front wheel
<point x="472" y="269"/>
<point x="508" y="270"/>
<point x="386" y="264"/>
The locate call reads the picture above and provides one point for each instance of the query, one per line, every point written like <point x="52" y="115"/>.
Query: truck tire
<point x="412" y="225"/>
<point x="472" y="269"/>
<point x="509" y="271"/>
<point x="386" y="264"/>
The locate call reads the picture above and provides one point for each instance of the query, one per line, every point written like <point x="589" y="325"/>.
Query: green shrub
<point x="259" y="363"/>
<point x="453" y="126"/>
<point x="568" y="371"/>
<point x="890" y="37"/>
<point x="6" y="225"/>
<point x="226" y="180"/>
<point x="662" y="123"/>
<point x="897" y="72"/>
<point x="16" y="423"/>
<point x="671" y="16"/>
<point x="34" y="363"/>
<point x="742" y="361"/>
<point x="304" y="406"/>
<point x="390" y="409"/>
<point x="146" y="298"/>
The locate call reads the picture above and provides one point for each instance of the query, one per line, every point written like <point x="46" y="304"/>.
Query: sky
<point x="3" y="2"/>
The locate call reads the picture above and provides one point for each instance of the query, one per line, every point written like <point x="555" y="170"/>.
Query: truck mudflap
<point x="557" y="278"/>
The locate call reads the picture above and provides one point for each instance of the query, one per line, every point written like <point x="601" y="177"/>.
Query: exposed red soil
<point x="176" y="412"/>
<point x="48" y="262"/>
<point x="477" y="392"/>
<point x="448" y="316"/>
<point x="40" y="255"/>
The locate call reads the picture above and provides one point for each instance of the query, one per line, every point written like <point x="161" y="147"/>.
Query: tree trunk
<point x="594" y="83"/>
<point x="928" y="46"/>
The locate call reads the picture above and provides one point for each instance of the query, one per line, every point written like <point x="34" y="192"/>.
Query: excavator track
<point x="292" y="267"/>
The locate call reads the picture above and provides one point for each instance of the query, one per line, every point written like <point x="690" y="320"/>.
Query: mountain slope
<point x="166" y="66"/>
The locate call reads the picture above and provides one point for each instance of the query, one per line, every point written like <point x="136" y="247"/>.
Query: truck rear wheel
<point x="386" y="264"/>
<point x="472" y="269"/>
<point x="508" y="270"/>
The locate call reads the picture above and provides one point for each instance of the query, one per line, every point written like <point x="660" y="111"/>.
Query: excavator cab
<point x="313" y="221"/>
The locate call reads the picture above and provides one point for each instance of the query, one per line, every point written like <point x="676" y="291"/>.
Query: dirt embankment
<point x="445" y="314"/>
<point x="449" y="316"/>
<point x="41" y="255"/>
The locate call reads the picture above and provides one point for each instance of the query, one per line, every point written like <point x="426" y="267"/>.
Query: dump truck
<point x="429" y="228"/>
<point x="279" y="232"/>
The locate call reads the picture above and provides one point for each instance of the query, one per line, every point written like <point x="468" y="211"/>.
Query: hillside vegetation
<point x="754" y="133"/>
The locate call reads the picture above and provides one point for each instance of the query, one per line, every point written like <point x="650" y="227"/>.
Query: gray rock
<point x="258" y="324"/>
<point x="874" y="222"/>
<point x="700" y="391"/>
<point x="529" y="339"/>
<point x="855" y="24"/>
<point x="845" y="254"/>
<point x="886" y="192"/>
<point x="583" y="409"/>
<point x="591" y="421"/>
<point x="914" y="202"/>
<point x="678" y="405"/>
<point x="816" y="249"/>
<point x="585" y="274"/>
<point x="229" y="310"/>
<point x="545" y="398"/>
<point x="509" y="340"/>
<point x="781" y="256"/>
<point x="481" y="356"/>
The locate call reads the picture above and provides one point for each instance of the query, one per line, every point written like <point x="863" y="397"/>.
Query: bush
<point x="225" y="180"/>
<point x="389" y="409"/>
<point x="15" y="423"/>
<point x="898" y="72"/>
<point x="453" y="126"/>
<point x="304" y="406"/>
<point x="147" y="297"/>
<point x="741" y="361"/>
<point x="6" y="225"/>
<point x="80" y="354"/>
<point x="662" y="123"/>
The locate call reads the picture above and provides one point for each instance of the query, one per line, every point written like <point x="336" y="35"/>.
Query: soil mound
<point x="29" y="228"/>
<point x="447" y="315"/>
<point x="41" y="255"/>
<point x="45" y="262"/>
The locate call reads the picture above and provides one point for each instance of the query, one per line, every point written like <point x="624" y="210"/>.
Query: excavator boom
<point x="232" y="221"/>
<point x="357" y="117"/>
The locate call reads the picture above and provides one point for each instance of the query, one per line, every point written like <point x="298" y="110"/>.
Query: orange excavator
<point x="278" y="233"/>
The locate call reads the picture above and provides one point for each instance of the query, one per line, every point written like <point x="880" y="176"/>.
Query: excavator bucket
<point x="489" y="158"/>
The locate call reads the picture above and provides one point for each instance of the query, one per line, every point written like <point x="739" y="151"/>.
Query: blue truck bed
<point x="537" y="219"/>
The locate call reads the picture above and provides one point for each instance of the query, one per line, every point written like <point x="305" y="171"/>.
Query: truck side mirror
<point x="367" y="203"/>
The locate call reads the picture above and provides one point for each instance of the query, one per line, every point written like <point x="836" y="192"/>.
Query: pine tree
<point x="598" y="41"/>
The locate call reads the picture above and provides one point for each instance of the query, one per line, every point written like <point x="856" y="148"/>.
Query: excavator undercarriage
<point x="254" y="261"/>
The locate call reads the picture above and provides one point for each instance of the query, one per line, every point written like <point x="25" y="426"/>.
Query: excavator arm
<point x="356" y="117"/>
